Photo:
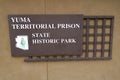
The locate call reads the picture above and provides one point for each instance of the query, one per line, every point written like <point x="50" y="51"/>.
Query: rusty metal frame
<point x="105" y="24"/>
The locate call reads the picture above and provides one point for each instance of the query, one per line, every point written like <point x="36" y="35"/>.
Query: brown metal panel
<point x="63" y="38"/>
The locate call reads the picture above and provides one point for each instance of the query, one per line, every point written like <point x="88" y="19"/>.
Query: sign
<point x="45" y="35"/>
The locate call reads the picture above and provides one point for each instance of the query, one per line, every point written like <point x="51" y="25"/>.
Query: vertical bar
<point x="95" y="37"/>
<point x="103" y="37"/>
<point x="87" y="38"/>
<point x="111" y="37"/>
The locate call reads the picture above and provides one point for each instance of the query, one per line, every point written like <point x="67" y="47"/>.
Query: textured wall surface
<point x="14" y="68"/>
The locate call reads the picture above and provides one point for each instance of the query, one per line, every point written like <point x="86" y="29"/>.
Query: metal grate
<point x="97" y="41"/>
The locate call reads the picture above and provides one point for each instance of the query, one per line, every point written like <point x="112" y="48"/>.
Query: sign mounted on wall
<point x="61" y="37"/>
<point x="45" y="35"/>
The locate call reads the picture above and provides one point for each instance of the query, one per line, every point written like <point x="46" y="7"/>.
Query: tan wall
<point x="16" y="69"/>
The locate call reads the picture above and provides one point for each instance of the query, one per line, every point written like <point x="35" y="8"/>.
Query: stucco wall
<point x="14" y="68"/>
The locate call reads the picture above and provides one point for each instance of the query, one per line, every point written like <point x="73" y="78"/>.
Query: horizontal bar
<point x="97" y="42"/>
<point x="96" y="50"/>
<point x="97" y="35"/>
<point x="69" y="59"/>
<point x="99" y="17"/>
<point x="99" y="26"/>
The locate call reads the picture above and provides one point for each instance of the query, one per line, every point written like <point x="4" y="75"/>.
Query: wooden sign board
<point x="45" y="35"/>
